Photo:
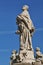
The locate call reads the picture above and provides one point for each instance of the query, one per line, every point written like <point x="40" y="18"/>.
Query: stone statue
<point x="25" y="28"/>
<point x="25" y="56"/>
<point x="13" y="57"/>
<point x="39" y="55"/>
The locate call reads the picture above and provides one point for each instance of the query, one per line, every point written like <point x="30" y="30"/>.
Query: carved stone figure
<point x="25" y="29"/>
<point x="39" y="55"/>
<point x="13" y="57"/>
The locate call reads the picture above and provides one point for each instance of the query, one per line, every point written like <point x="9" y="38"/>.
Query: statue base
<point x="27" y="56"/>
<point x="22" y="64"/>
<point x="36" y="63"/>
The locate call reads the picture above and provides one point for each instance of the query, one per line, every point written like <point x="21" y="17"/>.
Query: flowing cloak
<point x="25" y="18"/>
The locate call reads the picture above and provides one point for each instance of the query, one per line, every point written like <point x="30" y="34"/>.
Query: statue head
<point x="14" y="52"/>
<point x="37" y="49"/>
<point x="25" y="7"/>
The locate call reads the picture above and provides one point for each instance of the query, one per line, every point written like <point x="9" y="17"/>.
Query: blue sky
<point x="9" y="9"/>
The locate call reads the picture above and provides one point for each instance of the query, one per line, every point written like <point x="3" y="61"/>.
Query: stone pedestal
<point x="28" y="56"/>
<point x="22" y="64"/>
<point x="36" y="63"/>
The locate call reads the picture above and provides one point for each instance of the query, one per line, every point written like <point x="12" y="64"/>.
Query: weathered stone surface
<point x="25" y="28"/>
<point x="25" y="31"/>
<point x="28" y="57"/>
<point x="36" y="63"/>
<point x="22" y="64"/>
